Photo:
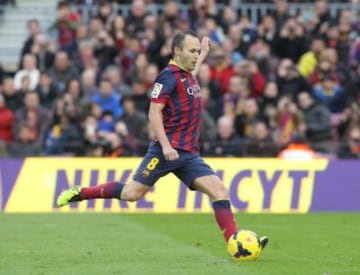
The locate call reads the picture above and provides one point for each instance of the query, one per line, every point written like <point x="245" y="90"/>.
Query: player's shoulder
<point x="168" y="71"/>
<point x="167" y="76"/>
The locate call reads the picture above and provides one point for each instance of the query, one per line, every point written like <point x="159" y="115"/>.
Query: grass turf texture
<point x="174" y="244"/>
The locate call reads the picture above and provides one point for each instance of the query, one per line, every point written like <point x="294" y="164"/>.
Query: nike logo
<point x="183" y="79"/>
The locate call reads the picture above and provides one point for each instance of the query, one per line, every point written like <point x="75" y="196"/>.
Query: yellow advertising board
<point x="255" y="185"/>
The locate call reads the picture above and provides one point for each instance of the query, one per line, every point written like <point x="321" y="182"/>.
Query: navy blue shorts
<point x="187" y="167"/>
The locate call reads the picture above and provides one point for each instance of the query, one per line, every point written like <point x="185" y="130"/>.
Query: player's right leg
<point x="152" y="167"/>
<point x="132" y="191"/>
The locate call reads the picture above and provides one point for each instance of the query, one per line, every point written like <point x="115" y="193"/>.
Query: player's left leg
<point x="197" y="175"/>
<point x="215" y="189"/>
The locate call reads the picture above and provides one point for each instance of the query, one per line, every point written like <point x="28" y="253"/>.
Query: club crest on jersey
<point x="194" y="91"/>
<point x="156" y="90"/>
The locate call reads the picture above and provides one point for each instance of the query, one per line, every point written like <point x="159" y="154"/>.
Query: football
<point x="244" y="245"/>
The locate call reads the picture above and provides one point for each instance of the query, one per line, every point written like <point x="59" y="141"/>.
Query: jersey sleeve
<point x="163" y="87"/>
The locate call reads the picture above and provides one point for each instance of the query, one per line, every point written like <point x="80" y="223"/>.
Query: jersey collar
<point x="172" y="62"/>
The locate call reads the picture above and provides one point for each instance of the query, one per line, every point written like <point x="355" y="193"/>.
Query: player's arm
<point x="156" y="123"/>
<point x="205" y="49"/>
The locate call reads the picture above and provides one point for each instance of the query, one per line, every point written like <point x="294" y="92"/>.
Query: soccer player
<point x="175" y="116"/>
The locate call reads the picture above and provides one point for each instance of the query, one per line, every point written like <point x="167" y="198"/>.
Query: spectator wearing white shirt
<point x="30" y="70"/>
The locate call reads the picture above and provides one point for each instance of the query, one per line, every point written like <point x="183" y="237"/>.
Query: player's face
<point x="189" y="53"/>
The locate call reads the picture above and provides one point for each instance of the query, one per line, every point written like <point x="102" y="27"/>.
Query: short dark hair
<point x="178" y="40"/>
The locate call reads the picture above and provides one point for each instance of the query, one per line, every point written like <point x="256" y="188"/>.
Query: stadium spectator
<point x="352" y="88"/>
<point x="220" y="69"/>
<point x="171" y="13"/>
<point x="347" y="33"/>
<point x="228" y="17"/>
<point x="108" y="99"/>
<point x="135" y="120"/>
<point x="200" y="10"/>
<point x="309" y="60"/>
<point x="208" y="126"/>
<point x="105" y="50"/>
<point x="6" y="122"/>
<point x="291" y="42"/>
<point x="234" y="99"/>
<point x="350" y="116"/>
<point x="268" y="32"/>
<point x="140" y="95"/>
<point x="338" y="66"/>
<point x="261" y="143"/>
<point x="153" y="39"/>
<point x="150" y="74"/>
<point x="34" y="28"/>
<point x="268" y="102"/>
<point x="66" y="23"/>
<point x="81" y="104"/>
<point x="259" y="52"/>
<point x="214" y="103"/>
<point x="135" y="19"/>
<point x="281" y="13"/>
<point x="245" y="122"/>
<point x="235" y="34"/>
<point x="317" y="124"/>
<point x="30" y="70"/>
<point x="13" y="99"/>
<point x="88" y="83"/>
<point x="106" y="122"/>
<point x="84" y="58"/>
<point x="106" y="13"/>
<point x="226" y="142"/>
<point x="288" y="121"/>
<point x="289" y="81"/>
<point x="330" y="93"/>
<point x="23" y="145"/>
<point x="114" y="75"/>
<point x="323" y="16"/>
<point x="354" y="55"/>
<point x="95" y="27"/>
<point x="47" y="91"/>
<point x="251" y="77"/>
<point x="44" y="50"/>
<point x="351" y="148"/>
<point x="323" y="70"/>
<point x="30" y="126"/>
<point x="24" y="86"/>
<point x="73" y="47"/>
<point x="65" y="137"/>
<point x="62" y="71"/>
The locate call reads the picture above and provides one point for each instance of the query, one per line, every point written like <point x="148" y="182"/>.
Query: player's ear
<point x="177" y="49"/>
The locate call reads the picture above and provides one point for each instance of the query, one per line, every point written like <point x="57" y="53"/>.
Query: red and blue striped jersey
<point x="179" y="91"/>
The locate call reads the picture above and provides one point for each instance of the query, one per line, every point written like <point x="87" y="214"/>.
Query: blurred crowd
<point x="287" y="80"/>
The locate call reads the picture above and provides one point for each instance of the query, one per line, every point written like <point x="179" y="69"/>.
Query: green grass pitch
<point x="174" y="244"/>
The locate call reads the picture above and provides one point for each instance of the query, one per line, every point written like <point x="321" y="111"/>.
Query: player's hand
<point x="205" y="45"/>
<point x="170" y="153"/>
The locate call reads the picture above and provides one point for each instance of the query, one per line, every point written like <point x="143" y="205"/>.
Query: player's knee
<point x="220" y="193"/>
<point x="131" y="195"/>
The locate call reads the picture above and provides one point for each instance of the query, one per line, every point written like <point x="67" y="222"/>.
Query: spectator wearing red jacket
<point x="6" y="121"/>
<point x="251" y="77"/>
<point x="221" y="69"/>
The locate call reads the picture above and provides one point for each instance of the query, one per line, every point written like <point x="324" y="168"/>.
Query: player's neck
<point x="175" y="62"/>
